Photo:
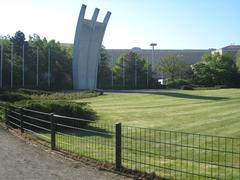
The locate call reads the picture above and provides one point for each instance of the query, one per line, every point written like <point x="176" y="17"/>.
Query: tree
<point x="5" y="41"/>
<point x="238" y="60"/>
<point x="61" y="59"/>
<point x="18" y="40"/>
<point x="172" y="66"/>
<point x="61" y="66"/>
<point x="104" y="70"/>
<point x="216" y="69"/>
<point x="131" y="71"/>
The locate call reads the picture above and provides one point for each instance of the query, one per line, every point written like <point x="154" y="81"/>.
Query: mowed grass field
<point x="169" y="154"/>
<point x="212" y="112"/>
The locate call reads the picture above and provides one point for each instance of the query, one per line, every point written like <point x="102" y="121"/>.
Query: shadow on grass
<point x="186" y="96"/>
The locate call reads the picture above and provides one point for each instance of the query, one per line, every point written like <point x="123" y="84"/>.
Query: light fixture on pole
<point x="153" y="45"/>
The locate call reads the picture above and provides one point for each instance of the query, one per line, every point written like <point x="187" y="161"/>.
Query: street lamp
<point x="1" y="85"/>
<point x="23" y="68"/>
<point x="153" y="45"/>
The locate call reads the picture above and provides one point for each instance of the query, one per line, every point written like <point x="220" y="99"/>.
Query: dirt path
<point x="22" y="161"/>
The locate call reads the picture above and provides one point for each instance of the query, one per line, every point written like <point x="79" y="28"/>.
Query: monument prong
<point x="95" y="15"/>
<point x="82" y="12"/>
<point x="107" y="17"/>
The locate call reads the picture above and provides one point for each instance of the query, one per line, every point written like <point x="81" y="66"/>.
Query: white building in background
<point x="227" y="49"/>
<point x="189" y="56"/>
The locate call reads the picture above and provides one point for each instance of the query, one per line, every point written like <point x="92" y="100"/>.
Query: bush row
<point x="50" y="102"/>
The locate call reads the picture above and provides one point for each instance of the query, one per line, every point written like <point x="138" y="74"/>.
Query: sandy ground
<point x="24" y="161"/>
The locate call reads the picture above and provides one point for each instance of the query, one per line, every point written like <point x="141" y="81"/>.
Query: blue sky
<point x="172" y="24"/>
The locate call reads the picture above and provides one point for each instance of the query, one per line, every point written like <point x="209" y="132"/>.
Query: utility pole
<point x="37" y="69"/>
<point x="123" y="71"/>
<point x="12" y="65"/>
<point x="147" y="72"/>
<point x="153" y="45"/>
<point x="135" y="73"/>
<point x="1" y="83"/>
<point x="23" y="77"/>
<point x="112" y="73"/>
<point x="49" y="75"/>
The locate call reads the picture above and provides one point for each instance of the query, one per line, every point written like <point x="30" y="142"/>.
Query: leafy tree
<point x="18" y="40"/>
<point x="216" y="69"/>
<point x="5" y="42"/>
<point x="104" y="70"/>
<point x="172" y="67"/>
<point x="60" y="62"/>
<point x="61" y="66"/>
<point x="238" y="60"/>
<point x="132" y="71"/>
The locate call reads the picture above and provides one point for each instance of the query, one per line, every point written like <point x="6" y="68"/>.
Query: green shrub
<point x="70" y="109"/>
<point x="57" y="103"/>
<point x="97" y="91"/>
<point x="187" y="87"/>
<point x="33" y="91"/>
<point x="178" y="83"/>
<point x="70" y="95"/>
<point x="12" y="97"/>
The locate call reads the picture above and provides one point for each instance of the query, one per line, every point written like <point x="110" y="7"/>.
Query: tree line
<point x="130" y="71"/>
<point x="35" y="51"/>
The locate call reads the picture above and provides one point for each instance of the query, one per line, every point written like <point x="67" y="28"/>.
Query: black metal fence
<point x="169" y="154"/>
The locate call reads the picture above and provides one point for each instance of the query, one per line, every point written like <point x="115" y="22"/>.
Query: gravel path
<point x="23" y="161"/>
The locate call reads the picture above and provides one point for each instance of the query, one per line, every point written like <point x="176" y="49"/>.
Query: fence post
<point x="53" y="131"/>
<point x="118" y="147"/>
<point x="21" y="120"/>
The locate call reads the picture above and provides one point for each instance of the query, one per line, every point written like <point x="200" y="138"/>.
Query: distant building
<point x="232" y="50"/>
<point x="189" y="56"/>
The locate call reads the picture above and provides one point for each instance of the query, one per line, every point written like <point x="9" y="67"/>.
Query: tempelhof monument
<point x="87" y="43"/>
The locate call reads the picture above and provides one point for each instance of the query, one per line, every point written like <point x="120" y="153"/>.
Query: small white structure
<point x="163" y="81"/>
<point x="87" y="43"/>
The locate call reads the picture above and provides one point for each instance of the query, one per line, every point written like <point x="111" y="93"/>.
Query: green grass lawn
<point x="169" y="154"/>
<point x="207" y="112"/>
<point x="214" y="112"/>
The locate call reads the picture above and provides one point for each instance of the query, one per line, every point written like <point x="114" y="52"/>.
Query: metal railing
<point x="169" y="154"/>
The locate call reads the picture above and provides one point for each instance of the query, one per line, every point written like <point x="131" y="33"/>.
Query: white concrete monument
<point x="86" y="53"/>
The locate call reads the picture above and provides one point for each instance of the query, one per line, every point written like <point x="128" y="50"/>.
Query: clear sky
<point x="172" y="24"/>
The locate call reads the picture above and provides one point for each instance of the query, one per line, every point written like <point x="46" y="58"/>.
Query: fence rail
<point x="169" y="154"/>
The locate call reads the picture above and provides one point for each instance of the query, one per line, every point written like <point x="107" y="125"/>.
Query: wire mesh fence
<point x="180" y="155"/>
<point x="95" y="140"/>
<point x="169" y="154"/>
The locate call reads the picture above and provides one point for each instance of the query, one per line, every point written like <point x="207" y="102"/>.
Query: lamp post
<point x="153" y="45"/>
<point x="112" y="71"/>
<point x="1" y="65"/>
<point x="49" y="66"/>
<point x="12" y="65"/>
<point x="23" y="58"/>
<point x="37" y="68"/>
